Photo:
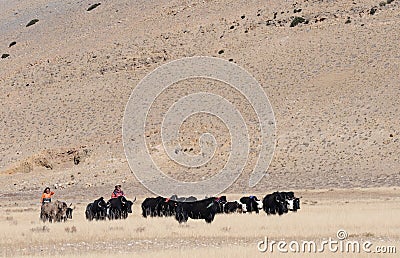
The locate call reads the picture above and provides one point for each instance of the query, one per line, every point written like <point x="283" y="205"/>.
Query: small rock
<point x="32" y="22"/>
<point x="93" y="6"/>
<point x="5" y="55"/>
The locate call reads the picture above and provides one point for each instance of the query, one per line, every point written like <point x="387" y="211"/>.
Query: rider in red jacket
<point x="117" y="192"/>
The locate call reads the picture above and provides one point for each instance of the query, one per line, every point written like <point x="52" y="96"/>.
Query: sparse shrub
<point x="382" y="3"/>
<point x="32" y="22"/>
<point x="296" y="21"/>
<point x="140" y="229"/>
<point x="116" y="228"/>
<point x="348" y="20"/>
<point x="226" y="229"/>
<point x="70" y="230"/>
<point x="372" y="11"/>
<point x="43" y="229"/>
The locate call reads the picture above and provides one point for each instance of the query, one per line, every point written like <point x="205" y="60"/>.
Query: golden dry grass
<point x="364" y="214"/>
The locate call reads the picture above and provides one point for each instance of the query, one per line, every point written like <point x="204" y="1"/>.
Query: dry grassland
<point x="366" y="214"/>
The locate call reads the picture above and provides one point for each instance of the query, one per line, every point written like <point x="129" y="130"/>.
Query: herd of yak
<point x="184" y="208"/>
<point x="181" y="208"/>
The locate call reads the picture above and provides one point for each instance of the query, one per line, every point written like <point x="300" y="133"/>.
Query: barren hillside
<point x="332" y="80"/>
